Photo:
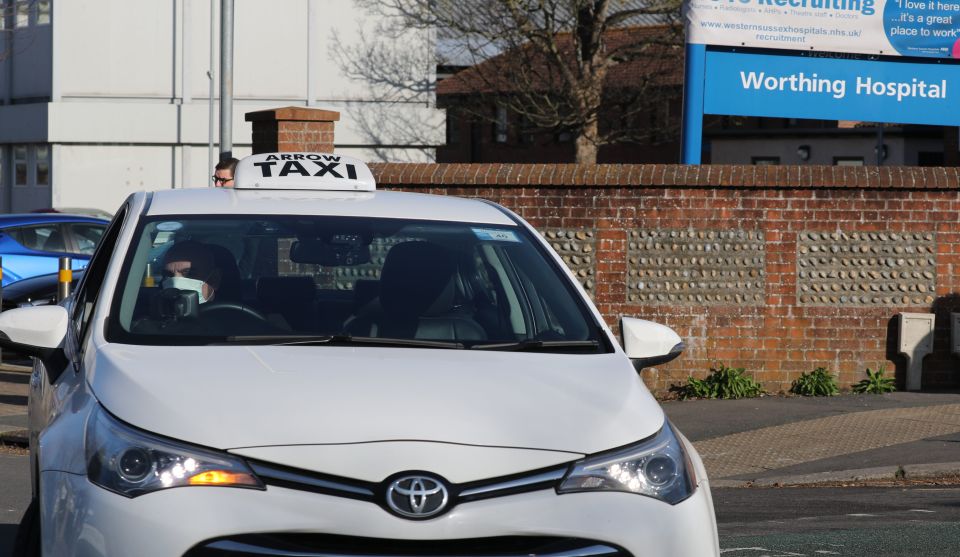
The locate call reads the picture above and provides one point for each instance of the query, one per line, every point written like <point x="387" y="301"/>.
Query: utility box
<point x="915" y="341"/>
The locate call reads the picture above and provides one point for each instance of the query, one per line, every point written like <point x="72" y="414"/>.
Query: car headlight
<point x="132" y="462"/>
<point x="656" y="467"/>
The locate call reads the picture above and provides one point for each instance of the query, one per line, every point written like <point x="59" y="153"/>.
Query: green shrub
<point x="722" y="382"/>
<point x="875" y="383"/>
<point x="698" y="388"/>
<point x="818" y="382"/>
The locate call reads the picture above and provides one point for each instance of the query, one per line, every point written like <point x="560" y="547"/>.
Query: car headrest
<point x="416" y="279"/>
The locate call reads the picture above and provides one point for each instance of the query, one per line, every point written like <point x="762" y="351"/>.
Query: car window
<point x="196" y="280"/>
<point x="43" y="237"/>
<point x="89" y="287"/>
<point x="86" y="236"/>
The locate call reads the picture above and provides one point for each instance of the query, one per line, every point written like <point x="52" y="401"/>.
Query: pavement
<point x="14" y="385"/>
<point x="767" y="441"/>
<point x="779" y="441"/>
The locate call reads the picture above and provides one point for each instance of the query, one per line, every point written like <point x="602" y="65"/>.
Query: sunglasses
<point x="219" y="180"/>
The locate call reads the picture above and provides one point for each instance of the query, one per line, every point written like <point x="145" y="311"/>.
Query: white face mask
<point x="184" y="283"/>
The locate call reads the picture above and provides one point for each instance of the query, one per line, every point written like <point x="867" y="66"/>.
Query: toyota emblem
<point x="417" y="496"/>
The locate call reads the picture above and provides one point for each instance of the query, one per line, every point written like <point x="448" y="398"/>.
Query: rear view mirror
<point x="340" y="250"/>
<point x="647" y="343"/>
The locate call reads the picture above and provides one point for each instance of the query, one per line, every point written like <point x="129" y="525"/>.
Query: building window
<point x="453" y="127"/>
<point x="500" y="125"/>
<point x="22" y="14"/>
<point x="764" y="161"/>
<point x="528" y="135"/>
<point x="43" y="12"/>
<point x="43" y="165"/>
<point x="20" y="165"/>
<point x="848" y="161"/>
<point x="31" y="165"/>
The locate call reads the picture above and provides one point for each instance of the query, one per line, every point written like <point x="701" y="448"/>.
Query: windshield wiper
<point x="531" y="345"/>
<point x="340" y="339"/>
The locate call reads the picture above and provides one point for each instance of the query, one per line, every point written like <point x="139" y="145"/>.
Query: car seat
<point x="54" y="242"/>
<point x="418" y="298"/>
<point x="291" y="297"/>
<point x="230" y="288"/>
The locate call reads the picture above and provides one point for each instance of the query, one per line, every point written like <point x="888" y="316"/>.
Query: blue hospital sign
<point x="874" y="60"/>
<point x="832" y="89"/>
<point x="925" y="28"/>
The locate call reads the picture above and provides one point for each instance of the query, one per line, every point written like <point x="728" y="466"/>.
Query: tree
<point x="546" y="61"/>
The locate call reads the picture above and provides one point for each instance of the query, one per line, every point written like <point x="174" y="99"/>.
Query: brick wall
<point x="775" y="269"/>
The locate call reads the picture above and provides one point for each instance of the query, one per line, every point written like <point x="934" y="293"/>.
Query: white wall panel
<point x="102" y="176"/>
<point x="270" y="49"/>
<point x="116" y="48"/>
<point x="105" y="122"/>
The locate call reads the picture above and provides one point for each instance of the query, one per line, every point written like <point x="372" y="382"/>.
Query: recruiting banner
<point x="925" y="28"/>
<point x="832" y="89"/>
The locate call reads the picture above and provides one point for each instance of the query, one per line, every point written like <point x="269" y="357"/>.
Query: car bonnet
<point x="252" y="396"/>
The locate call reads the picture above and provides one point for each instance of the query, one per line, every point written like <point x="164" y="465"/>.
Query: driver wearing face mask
<point x="189" y="266"/>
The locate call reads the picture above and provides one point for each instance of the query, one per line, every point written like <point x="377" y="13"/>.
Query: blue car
<point x="31" y="244"/>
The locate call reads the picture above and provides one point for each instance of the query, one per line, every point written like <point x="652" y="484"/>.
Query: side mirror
<point x="39" y="332"/>
<point x="647" y="343"/>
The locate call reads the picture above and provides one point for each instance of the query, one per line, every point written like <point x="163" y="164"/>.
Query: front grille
<point x="375" y="492"/>
<point x="322" y="545"/>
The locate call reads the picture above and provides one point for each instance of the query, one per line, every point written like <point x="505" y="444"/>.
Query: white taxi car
<point x="305" y="366"/>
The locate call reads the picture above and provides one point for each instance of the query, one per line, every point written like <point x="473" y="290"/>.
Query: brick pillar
<point x="293" y="128"/>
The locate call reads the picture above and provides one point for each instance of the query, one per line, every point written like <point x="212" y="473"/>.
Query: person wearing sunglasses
<point x="223" y="173"/>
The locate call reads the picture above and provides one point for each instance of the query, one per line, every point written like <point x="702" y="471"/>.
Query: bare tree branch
<point x="558" y="65"/>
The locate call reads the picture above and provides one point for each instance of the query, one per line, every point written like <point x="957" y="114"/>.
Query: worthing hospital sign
<point x="873" y="60"/>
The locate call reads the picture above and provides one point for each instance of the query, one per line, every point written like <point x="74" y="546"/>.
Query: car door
<point x="50" y="389"/>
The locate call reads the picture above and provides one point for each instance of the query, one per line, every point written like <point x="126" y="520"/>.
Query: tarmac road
<point x="849" y="521"/>
<point x="14" y="496"/>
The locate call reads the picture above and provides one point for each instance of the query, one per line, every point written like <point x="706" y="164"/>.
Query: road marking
<point x="763" y="549"/>
<point x="921" y="511"/>
<point x="858" y="515"/>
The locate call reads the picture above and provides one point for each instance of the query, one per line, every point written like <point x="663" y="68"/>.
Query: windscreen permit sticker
<point x="495" y="235"/>
<point x="169" y="226"/>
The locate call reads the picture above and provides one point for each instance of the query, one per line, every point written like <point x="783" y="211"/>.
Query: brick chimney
<point x="293" y="128"/>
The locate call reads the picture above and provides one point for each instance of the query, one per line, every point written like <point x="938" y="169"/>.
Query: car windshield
<point x="344" y="280"/>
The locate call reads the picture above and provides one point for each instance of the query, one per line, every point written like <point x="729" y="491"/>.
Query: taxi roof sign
<point x="303" y="171"/>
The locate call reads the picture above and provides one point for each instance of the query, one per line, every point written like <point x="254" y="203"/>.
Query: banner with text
<point x="832" y="89"/>
<point x="928" y="28"/>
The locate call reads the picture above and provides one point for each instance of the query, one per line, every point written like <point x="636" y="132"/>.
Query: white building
<point x="104" y="97"/>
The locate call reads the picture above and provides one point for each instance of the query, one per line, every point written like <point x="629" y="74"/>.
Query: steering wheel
<point x="226" y="309"/>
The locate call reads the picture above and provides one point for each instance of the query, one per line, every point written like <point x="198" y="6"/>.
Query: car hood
<point x="233" y="397"/>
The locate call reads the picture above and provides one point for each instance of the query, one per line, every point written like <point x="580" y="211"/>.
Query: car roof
<point x="378" y="204"/>
<point x="44" y="218"/>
